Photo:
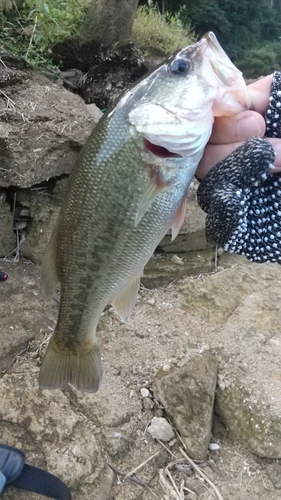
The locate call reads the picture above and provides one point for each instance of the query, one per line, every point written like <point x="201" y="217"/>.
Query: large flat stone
<point x="187" y="394"/>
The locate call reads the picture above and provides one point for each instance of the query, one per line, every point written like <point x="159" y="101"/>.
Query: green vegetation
<point x="249" y="31"/>
<point x="158" y="33"/>
<point x="261" y="60"/>
<point x="31" y="30"/>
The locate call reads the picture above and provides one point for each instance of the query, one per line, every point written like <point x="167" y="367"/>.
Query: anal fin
<point x="124" y="302"/>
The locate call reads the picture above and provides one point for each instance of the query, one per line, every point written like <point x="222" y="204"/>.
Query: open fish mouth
<point x="168" y="133"/>
<point x="160" y="151"/>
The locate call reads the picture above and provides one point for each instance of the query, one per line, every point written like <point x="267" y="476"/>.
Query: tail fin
<point x="81" y="369"/>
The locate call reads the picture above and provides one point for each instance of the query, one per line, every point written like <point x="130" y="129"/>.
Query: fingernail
<point x="249" y="127"/>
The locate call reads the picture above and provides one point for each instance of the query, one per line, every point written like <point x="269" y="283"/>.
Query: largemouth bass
<point x="127" y="188"/>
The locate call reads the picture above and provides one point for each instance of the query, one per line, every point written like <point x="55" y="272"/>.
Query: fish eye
<point x="180" y="66"/>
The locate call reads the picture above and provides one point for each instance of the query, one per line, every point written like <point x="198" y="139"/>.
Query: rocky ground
<point x="210" y="335"/>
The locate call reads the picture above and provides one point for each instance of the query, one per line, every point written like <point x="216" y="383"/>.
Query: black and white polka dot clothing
<point x="242" y="198"/>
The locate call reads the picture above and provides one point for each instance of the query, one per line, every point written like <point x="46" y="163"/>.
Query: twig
<point x="149" y="483"/>
<point x="188" y="490"/>
<point x="166" y="448"/>
<point x="147" y="424"/>
<point x="134" y="479"/>
<point x="141" y="465"/>
<point x="249" y="482"/>
<point x="42" y="344"/>
<point x="2" y="62"/>
<point x="14" y="360"/>
<point x="9" y="100"/>
<point x="171" y="284"/>
<point x="265" y="487"/>
<point x="195" y="467"/>
<point x="164" y="483"/>
<point x="174" y="484"/>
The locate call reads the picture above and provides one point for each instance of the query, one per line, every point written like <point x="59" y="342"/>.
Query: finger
<point x="276" y="144"/>
<point x="215" y="153"/>
<point x="227" y="130"/>
<point x="260" y="93"/>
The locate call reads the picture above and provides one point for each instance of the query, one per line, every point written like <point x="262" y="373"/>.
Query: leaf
<point x="46" y="7"/>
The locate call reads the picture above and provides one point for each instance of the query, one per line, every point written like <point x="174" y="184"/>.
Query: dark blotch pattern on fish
<point x="242" y="198"/>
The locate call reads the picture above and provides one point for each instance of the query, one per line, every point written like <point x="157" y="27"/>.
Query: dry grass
<point x="158" y="33"/>
<point x="6" y="5"/>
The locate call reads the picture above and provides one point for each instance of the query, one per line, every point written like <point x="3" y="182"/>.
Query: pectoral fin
<point x="48" y="274"/>
<point x="124" y="302"/>
<point x="179" y="218"/>
<point x="156" y="184"/>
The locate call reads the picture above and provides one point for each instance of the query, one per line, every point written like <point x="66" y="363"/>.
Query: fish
<point x="127" y="188"/>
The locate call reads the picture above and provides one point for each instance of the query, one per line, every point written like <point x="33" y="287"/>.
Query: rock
<point x="191" y="496"/>
<point x="177" y="260"/>
<point x="197" y="487"/>
<point x="160" y="429"/>
<point x="106" y="74"/>
<point x="248" y="322"/>
<point x="22" y="310"/>
<point x="161" y="270"/>
<point x="212" y="299"/>
<point x="42" y="129"/>
<point x="145" y="392"/>
<point x="12" y="60"/>
<point x="53" y="435"/>
<point x="7" y="235"/>
<point x="44" y="206"/>
<point x="274" y="473"/>
<point x="213" y="447"/>
<point x="187" y="394"/>
<point x="191" y="236"/>
<point x="148" y="404"/>
<point x="248" y="394"/>
<point x="112" y="74"/>
<point x="73" y="52"/>
<point x="94" y="111"/>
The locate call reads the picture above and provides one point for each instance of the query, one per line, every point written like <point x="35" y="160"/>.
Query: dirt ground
<point x="167" y="324"/>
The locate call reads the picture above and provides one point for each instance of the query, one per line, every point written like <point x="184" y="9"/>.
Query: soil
<point x="167" y="324"/>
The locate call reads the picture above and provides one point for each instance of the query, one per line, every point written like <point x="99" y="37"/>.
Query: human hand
<point x="230" y="132"/>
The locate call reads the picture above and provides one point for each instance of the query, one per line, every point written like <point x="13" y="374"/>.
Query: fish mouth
<point x="160" y="151"/>
<point x="168" y="133"/>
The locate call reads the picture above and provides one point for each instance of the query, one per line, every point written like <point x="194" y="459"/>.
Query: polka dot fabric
<point x="273" y="114"/>
<point x="242" y="198"/>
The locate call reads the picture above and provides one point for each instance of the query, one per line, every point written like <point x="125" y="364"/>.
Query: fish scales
<point x="101" y="272"/>
<point x="127" y="188"/>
